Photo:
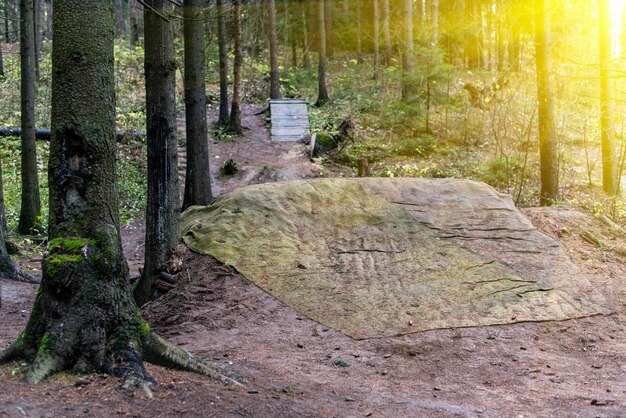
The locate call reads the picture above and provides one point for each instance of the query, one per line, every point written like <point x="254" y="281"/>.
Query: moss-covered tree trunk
<point x="163" y="207"/>
<point x="30" y="210"/>
<point x="84" y="318"/>
<point x="235" y="111"/>
<point x="197" y="178"/>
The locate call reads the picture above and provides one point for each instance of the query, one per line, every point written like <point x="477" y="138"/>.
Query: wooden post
<point x="363" y="167"/>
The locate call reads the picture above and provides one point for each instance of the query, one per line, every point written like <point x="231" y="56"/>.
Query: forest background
<point x="433" y="88"/>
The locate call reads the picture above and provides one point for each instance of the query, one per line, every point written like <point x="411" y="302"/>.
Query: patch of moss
<point x="145" y="328"/>
<point x="68" y="245"/>
<point x="46" y="344"/>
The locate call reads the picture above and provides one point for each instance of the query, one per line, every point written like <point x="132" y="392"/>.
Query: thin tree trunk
<point x="163" y="206"/>
<point x="235" y="112"/>
<point x="37" y="19"/>
<point x="1" y="63"/>
<point x="322" y="96"/>
<point x="387" y="32"/>
<point x="119" y="18"/>
<point x="306" y="41"/>
<point x="607" y="126"/>
<point x="434" y="18"/>
<point x="223" y="63"/>
<point x="135" y="17"/>
<point x="30" y="210"/>
<point x="328" y="22"/>
<point x="376" y="25"/>
<point x="545" y="96"/>
<point x="274" y="73"/>
<point x="48" y="19"/>
<point x="359" y="31"/>
<point x="3" y="213"/>
<point x="198" y="177"/>
<point x="408" y="86"/>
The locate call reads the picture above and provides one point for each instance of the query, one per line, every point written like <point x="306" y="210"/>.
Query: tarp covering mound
<point x="381" y="257"/>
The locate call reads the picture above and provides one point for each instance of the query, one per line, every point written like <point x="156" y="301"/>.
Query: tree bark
<point x="306" y="38"/>
<point x="30" y="211"/>
<point x="37" y="20"/>
<point x="610" y="179"/>
<point x="48" y="19"/>
<point x="545" y="95"/>
<point x="376" y="25"/>
<point x="223" y="62"/>
<point x="1" y="63"/>
<point x="235" y="112"/>
<point x="135" y="18"/>
<point x="274" y="72"/>
<point x="408" y="85"/>
<point x="322" y="96"/>
<point x="198" y="177"/>
<point x="163" y="206"/>
<point x="387" y="32"/>
<point x="328" y="22"/>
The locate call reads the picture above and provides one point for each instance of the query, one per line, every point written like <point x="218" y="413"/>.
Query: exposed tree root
<point x="156" y="350"/>
<point x="14" y="352"/>
<point x="16" y="274"/>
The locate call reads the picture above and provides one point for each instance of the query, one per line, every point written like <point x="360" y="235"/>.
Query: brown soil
<point x="573" y="368"/>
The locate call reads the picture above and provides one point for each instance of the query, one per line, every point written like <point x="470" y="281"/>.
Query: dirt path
<point x="573" y="368"/>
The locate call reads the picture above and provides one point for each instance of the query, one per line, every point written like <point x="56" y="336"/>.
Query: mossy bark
<point x="163" y="206"/>
<point x="84" y="317"/>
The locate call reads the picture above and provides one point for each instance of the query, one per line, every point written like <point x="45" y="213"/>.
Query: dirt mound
<point x="383" y="257"/>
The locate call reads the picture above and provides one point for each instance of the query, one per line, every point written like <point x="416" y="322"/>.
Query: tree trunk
<point x="235" y="112"/>
<point x="30" y="211"/>
<point x="1" y="63"/>
<point x="376" y="25"/>
<point x="514" y="38"/>
<point x="328" y="22"/>
<point x="546" y="113"/>
<point x="359" y="31"/>
<point x="387" y="32"/>
<point x="223" y="63"/>
<point x="322" y="96"/>
<point x="274" y="74"/>
<point x="163" y="206"/>
<point x="306" y="39"/>
<point x="135" y="18"/>
<point x="610" y="179"/>
<point x="37" y="19"/>
<point x="198" y="177"/>
<point x="434" y="20"/>
<point x="3" y="212"/>
<point x="48" y="19"/>
<point x="408" y="85"/>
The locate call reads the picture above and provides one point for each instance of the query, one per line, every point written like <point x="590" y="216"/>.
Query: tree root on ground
<point x="128" y="364"/>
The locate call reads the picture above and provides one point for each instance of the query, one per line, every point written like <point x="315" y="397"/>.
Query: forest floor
<point x="574" y="368"/>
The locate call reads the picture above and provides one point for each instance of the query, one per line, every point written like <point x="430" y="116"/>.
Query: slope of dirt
<point x="574" y="368"/>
